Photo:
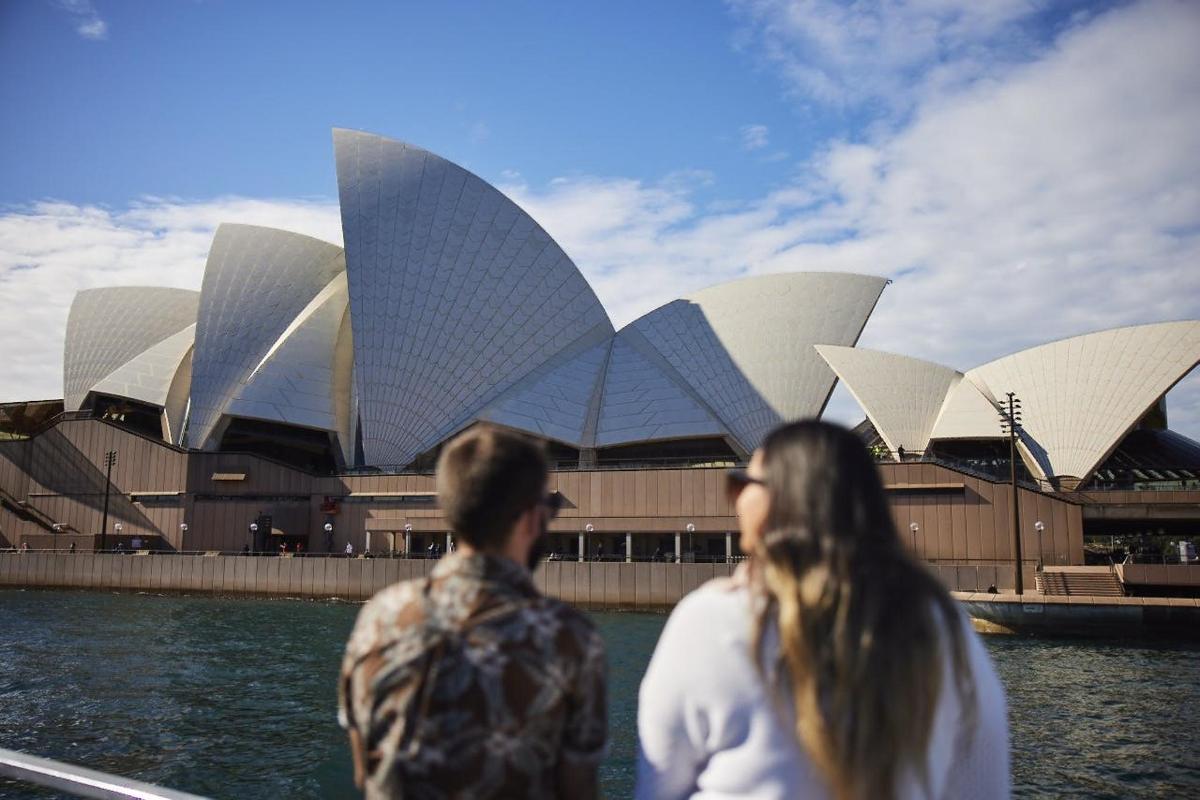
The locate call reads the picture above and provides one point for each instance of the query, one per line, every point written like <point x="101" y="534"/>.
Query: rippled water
<point x="235" y="698"/>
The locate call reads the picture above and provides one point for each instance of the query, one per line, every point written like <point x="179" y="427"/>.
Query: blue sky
<point x="196" y="99"/>
<point x="1023" y="170"/>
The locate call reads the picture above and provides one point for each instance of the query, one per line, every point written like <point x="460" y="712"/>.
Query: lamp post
<point x="117" y="531"/>
<point x="328" y="528"/>
<point x="110" y="459"/>
<point x="914" y="527"/>
<point x="1039" y="526"/>
<point x="253" y="536"/>
<point x="586" y="540"/>
<point x="408" y="540"/>
<point x="690" y="528"/>
<point x="1010" y="422"/>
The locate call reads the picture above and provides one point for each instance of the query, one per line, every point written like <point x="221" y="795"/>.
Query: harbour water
<point x="234" y="698"/>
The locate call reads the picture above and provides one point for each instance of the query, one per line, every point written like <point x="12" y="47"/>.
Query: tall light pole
<point x="408" y="540"/>
<point x="1010" y="422"/>
<point x="914" y="527"/>
<point x="110" y="458"/>
<point x="253" y="536"/>
<point x="1039" y="526"/>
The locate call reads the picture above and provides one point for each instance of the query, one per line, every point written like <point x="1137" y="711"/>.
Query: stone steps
<point x="1096" y="581"/>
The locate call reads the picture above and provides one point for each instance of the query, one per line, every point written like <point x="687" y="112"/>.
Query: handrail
<point x="666" y="558"/>
<point x="80" y="781"/>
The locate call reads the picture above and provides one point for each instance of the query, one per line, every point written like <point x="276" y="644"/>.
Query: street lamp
<point x="690" y="528"/>
<point x="914" y="527"/>
<point x="587" y="540"/>
<point x="253" y="536"/>
<point x="1039" y="526"/>
<point x="1010" y="424"/>
<point x="183" y="527"/>
<point x="408" y="540"/>
<point x="110" y="459"/>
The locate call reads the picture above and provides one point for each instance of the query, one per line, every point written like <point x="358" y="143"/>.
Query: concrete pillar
<point x="449" y="541"/>
<point x="678" y="547"/>
<point x="728" y="547"/>
<point x="628" y="547"/>
<point x="581" y="546"/>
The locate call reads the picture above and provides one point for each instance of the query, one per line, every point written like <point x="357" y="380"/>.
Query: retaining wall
<point x="612" y="585"/>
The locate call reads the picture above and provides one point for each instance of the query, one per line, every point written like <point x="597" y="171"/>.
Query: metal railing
<point x="676" y="462"/>
<point x="82" y="782"/>
<point x="416" y="555"/>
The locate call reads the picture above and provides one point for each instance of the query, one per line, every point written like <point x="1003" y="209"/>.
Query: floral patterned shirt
<point x="470" y="683"/>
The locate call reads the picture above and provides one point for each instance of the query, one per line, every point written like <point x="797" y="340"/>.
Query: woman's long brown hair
<point x="863" y="628"/>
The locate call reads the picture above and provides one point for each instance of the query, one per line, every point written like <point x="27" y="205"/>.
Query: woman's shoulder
<point x="726" y="594"/>
<point x="718" y="612"/>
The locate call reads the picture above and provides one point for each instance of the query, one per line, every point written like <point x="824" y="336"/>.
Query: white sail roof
<point x="108" y="327"/>
<point x="1081" y="395"/>
<point x="456" y="294"/>
<point x="901" y="396"/>
<point x="256" y="282"/>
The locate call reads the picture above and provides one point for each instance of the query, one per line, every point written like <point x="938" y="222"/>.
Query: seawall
<point x="643" y="586"/>
<point x="1083" y="615"/>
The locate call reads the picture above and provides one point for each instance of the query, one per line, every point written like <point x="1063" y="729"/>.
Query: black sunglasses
<point x="736" y="480"/>
<point x="554" y="502"/>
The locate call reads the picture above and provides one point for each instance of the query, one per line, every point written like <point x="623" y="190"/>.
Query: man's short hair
<point x="486" y="478"/>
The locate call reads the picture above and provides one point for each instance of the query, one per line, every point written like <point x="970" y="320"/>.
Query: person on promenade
<point x="349" y="551"/>
<point x="470" y="683"/>
<point x="832" y="664"/>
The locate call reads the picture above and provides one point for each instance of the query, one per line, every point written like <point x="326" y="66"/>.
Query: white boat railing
<point x="81" y="782"/>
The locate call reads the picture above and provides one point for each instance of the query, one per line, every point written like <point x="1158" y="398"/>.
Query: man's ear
<point x="529" y="527"/>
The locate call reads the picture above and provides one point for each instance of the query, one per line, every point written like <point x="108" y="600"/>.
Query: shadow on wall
<point x="54" y="462"/>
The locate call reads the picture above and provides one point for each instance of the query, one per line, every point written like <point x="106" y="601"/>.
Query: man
<point x="470" y="683"/>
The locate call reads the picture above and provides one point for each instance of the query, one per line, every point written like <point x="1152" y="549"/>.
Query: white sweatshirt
<point x="708" y="729"/>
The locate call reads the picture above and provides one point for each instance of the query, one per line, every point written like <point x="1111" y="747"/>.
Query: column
<point x="628" y="547"/>
<point x="581" y="547"/>
<point x="728" y="547"/>
<point x="678" y="547"/>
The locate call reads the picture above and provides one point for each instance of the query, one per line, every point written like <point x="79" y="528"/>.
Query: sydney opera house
<point x="310" y="386"/>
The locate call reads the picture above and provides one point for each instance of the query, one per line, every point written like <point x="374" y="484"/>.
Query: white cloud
<point x="1060" y="198"/>
<point x="842" y="54"/>
<point x="86" y="19"/>
<point x="755" y="137"/>
<point x="52" y="249"/>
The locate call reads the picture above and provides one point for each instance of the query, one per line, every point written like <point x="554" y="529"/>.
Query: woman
<point x="832" y="664"/>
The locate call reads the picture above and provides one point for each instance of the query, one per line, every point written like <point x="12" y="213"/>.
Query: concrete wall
<point x="590" y="584"/>
<point x="1160" y="574"/>
<point x="643" y="586"/>
<point x="963" y="521"/>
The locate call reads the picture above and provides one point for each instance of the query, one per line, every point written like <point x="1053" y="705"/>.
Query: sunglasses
<point x="554" y="503"/>
<point x="736" y="481"/>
